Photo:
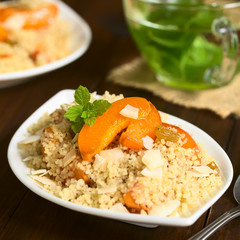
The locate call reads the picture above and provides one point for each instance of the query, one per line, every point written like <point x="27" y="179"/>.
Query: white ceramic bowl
<point x="66" y="96"/>
<point x="81" y="38"/>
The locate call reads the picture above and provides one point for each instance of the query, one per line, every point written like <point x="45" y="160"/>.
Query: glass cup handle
<point x="222" y="29"/>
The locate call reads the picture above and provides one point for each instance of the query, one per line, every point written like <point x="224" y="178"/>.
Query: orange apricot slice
<point x="31" y="18"/>
<point x="7" y="12"/>
<point x="93" y="139"/>
<point x="132" y="205"/>
<point x="3" y="34"/>
<point x="137" y="130"/>
<point x="80" y="174"/>
<point x="41" y="17"/>
<point x="129" y="201"/>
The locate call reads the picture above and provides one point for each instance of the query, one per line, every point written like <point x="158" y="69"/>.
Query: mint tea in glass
<point x="189" y="44"/>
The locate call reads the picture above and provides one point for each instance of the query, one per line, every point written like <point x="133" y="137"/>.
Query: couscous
<point x="168" y="175"/>
<point x="32" y="34"/>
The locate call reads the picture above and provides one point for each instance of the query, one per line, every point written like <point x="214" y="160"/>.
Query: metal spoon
<point x="225" y="218"/>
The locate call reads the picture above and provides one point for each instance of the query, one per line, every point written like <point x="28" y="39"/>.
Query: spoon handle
<point x="215" y="225"/>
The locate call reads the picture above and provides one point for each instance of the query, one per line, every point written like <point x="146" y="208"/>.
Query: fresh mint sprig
<point x="85" y="112"/>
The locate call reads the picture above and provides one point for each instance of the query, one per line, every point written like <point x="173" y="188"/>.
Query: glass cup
<point x="189" y="44"/>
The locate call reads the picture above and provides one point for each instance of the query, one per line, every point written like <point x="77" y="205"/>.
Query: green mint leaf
<point x="74" y="113"/>
<point x="86" y="112"/>
<point x="100" y="106"/>
<point x="82" y="95"/>
<point x="97" y="108"/>
<point x="77" y="126"/>
<point x="90" y="121"/>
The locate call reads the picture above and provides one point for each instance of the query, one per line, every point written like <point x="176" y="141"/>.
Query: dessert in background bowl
<point x="39" y="36"/>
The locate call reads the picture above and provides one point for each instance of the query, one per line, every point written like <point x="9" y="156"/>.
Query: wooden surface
<point x="24" y="215"/>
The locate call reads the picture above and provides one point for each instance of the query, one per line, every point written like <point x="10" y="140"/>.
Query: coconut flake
<point x="43" y="174"/>
<point x="105" y="156"/>
<point x="152" y="159"/>
<point x="130" y="112"/>
<point x="38" y="172"/>
<point x="112" y="154"/>
<point x="164" y="209"/>
<point x="26" y="159"/>
<point x="155" y="173"/>
<point x="148" y="142"/>
<point x="74" y="140"/>
<point x="201" y="171"/>
<point x="143" y="212"/>
<point x="39" y="132"/>
<point x="108" y="189"/>
<point x="118" y="207"/>
<point x="43" y="180"/>
<point x="69" y="157"/>
<point x="15" y="22"/>
<point x="98" y="161"/>
<point x="30" y="139"/>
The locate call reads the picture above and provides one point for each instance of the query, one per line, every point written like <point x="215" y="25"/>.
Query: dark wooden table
<point x="24" y="215"/>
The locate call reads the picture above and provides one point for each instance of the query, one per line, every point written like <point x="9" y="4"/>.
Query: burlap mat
<point x="223" y="101"/>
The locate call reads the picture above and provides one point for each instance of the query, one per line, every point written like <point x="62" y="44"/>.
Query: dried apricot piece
<point x="32" y="18"/>
<point x="3" y="34"/>
<point x="41" y="17"/>
<point x="137" y="130"/>
<point x="92" y="139"/>
<point x="131" y="204"/>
